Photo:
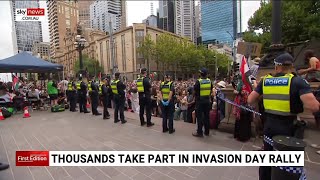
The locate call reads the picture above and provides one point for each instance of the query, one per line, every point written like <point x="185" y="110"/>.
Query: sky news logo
<point x="30" y="14"/>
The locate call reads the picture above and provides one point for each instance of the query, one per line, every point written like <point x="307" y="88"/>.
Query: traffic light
<point x="235" y="67"/>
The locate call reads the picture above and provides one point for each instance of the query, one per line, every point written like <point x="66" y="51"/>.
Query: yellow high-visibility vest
<point x="276" y="94"/>
<point x="100" y="88"/>
<point x="70" y="88"/>
<point x="140" y="86"/>
<point x="114" y="88"/>
<point x="205" y="87"/>
<point x="89" y="86"/>
<point x="78" y="85"/>
<point x="165" y="90"/>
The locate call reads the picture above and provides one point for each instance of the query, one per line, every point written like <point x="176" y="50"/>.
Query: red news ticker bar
<point x="32" y="158"/>
<point x="35" y="11"/>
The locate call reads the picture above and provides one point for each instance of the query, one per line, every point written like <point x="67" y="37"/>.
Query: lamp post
<point x="79" y="45"/>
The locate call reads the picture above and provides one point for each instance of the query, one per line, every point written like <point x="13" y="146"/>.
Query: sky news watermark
<point x="30" y="14"/>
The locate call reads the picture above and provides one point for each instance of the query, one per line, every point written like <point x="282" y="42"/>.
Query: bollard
<point x="285" y="143"/>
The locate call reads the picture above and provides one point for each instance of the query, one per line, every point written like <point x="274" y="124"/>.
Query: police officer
<point x="105" y="88"/>
<point x="202" y="90"/>
<point x="167" y="94"/>
<point x="144" y="90"/>
<point x="118" y="90"/>
<point x="71" y="92"/>
<point x="82" y="95"/>
<point x="94" y="96"/>
<point x="284" y="95"/>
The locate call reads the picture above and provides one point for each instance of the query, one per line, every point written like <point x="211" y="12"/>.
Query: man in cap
<point x="202" y="90"/>
<point x="284" y="96"/>
<point x="144" y="90"/>
<point x="94" y="96"/>
<point x="118" y="90"/>
<point x="106" y="91"/>
<point x="167" y="92"/>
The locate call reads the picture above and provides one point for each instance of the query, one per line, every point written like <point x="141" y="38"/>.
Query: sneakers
<point x="123" y="122"/>
<point x="151" y="124"/>
<point x="172" y="131"/>
<point x="3" y="166"/>
<point x="195" y="134"/>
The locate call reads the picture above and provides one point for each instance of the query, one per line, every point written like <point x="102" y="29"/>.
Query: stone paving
<point x="75" y="131"/>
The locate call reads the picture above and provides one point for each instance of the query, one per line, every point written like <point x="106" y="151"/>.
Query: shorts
<point x="53" y="96"/>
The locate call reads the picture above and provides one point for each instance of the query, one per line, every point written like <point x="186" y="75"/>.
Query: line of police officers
<point x="116" y="89"/>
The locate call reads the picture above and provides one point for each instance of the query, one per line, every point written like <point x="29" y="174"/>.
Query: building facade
<point x="41" y="49"/>
<point x="63" y="20"/>
<point x="120" y="52"/>
<point x="84" y="13"/>
<point x="108" y="15"/>
<point x="185" y="19"/>
<point x="219" y="21"/>
<point x="166" y="15"/>
<point x="26" y="33"/>
<point x="151" y="21"/>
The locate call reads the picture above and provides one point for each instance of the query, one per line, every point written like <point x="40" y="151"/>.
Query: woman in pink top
<point x="313" y="72"/>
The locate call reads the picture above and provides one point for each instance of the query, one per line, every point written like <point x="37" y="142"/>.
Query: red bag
<point x="213" y="119"/>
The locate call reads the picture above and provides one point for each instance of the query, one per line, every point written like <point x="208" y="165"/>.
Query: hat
<point x="256" y="60"/>
<point x="203" y="71"/>
<point x="143" y="70"/>
<point x="168" y="76"/>
<point x="284" y="59"/>
<point x="222" y="84"/>
<point x="117" y="74"/>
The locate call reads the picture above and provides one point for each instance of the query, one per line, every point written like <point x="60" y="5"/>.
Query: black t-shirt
<point x="196" y="89"/>
<point x="298" y="87"/>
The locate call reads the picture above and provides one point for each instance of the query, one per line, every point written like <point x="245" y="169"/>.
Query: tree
<point x="300" y="21"/>
<point x="147" y="49"/>
<point x="92" y="65"/>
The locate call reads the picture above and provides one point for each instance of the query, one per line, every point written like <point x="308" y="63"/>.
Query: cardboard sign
<point x="248" y="48"/>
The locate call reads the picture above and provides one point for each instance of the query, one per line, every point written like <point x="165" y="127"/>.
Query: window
<point x="101" y="55"/>
<point x="140" y="33"/>
<point x="123" y="47"/>
<point x="108" y="54"/>
<point x="67" y="11"/>
<point x="68" y="23"/>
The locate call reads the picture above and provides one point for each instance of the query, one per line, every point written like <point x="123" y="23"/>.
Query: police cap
<point x="143" y="70"/>
<point x="284" y="59"/>
<point x="117" y="74"/>
<point x="203" y="71"/>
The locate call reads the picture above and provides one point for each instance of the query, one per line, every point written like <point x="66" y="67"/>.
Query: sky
<point x="136" y="12"/>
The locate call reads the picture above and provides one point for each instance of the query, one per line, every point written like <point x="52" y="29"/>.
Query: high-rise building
<point x="84" y="13"/>
<point x="198" y="20"/>
<point x="185" y="19"/>
<point x="151" y="21"/>
<point x="219" y="21"/>
<point x="63" y="21"/>
<point x="166" y="15"/>
<point x="42" y="49"/>
<point x="27" y="33"/>
<point x="104" y="12"/>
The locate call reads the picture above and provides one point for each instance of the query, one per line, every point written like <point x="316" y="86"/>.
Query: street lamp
<point x="79" y="45"/>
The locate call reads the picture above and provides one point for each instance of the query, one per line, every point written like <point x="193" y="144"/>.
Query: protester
<point x="313" y="72"/>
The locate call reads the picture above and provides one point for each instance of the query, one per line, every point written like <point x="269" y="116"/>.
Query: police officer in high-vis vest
<point x="82" y="95"/>
<point x="94" y="96"/>
<point x="202" y="90"/>
<point x="284" y="96"/>
<point x="118" y="90"/>
<point x="167" y="104"/>
<point x="144" y="90"/>
<point x="72" y="93"/>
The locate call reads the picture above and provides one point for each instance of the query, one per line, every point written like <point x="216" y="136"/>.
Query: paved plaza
<point x="74" y="131"/>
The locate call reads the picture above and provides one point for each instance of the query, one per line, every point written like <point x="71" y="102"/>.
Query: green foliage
<point x="300" y="21"/>
<point x="92" y="65"/>
<point x="179" y="54"/>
